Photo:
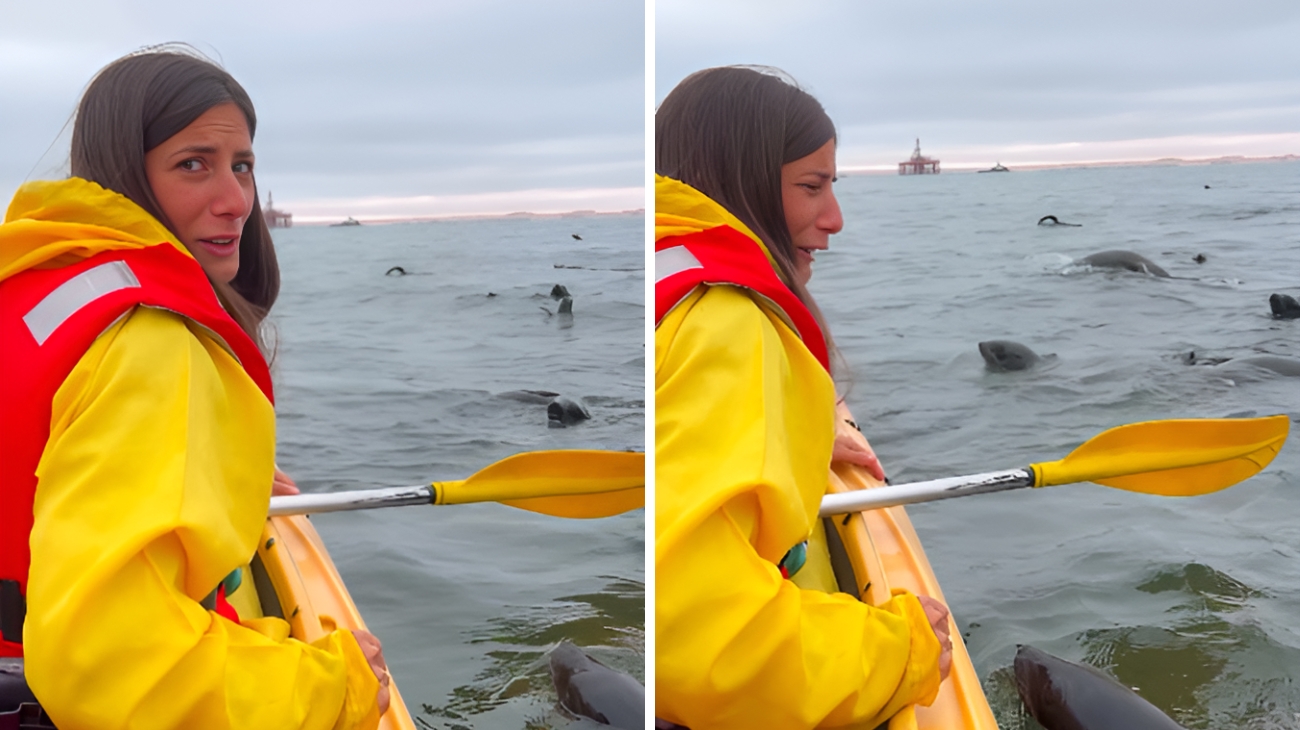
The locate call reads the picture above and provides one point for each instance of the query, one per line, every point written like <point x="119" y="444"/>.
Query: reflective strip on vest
<point x="674" y="260"/>
<point x="59" y="305"/>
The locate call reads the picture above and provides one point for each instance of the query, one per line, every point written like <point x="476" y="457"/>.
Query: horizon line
<point x="534" y="202"/>
<point x="1043" y="165"/>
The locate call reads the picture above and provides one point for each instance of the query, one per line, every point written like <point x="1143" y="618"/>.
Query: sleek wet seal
<point x="1063" y="695"/>
<point x="1051" y="220"/>
<point x="1006" y="356"/>
<point x="564" y="411"/>
<point x="592" y="690"/>
<point x="1278" y="364"/>
<point x="395" y="271"/>
<point x="1286" y="366"/>
<point x="1124" y="260"/>
<point x="1284" y="306"/>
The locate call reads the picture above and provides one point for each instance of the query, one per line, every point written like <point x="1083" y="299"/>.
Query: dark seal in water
<point x="1051" y="220"/>
<point x="592" y="690"/>
<point x="1063" y="695"/>
<point x="1284" y="306"/>
<point x="564" y="411"/>
<point x="1005" y="356"/>
<point x="1125" y="260"/>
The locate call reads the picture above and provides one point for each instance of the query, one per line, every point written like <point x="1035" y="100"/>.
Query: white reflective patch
<point x="674" y="260"/>
<point x="59" y="305"/>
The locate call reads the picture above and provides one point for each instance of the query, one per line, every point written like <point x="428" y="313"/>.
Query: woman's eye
<point x="243" y="167"/>
<point x="190" y="165"/>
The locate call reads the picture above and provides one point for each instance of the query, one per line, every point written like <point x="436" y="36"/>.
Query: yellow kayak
<point x="294" y="567"/>
<point x="871" y="554"/>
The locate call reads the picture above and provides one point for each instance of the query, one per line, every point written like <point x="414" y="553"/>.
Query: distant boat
<point x="349" y="222"/>
<point x="997" y="168"/>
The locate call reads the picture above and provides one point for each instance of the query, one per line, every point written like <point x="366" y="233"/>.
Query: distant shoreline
<point x="322" y="221"/>
<point x="964" y="168"/>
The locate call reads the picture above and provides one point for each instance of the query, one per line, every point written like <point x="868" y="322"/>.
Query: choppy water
<point x="397" y="380"/>
<point x="1194" y="601"/>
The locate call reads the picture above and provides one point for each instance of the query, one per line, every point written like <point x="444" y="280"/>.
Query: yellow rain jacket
<point x="154" y="485"/>
<point x="744" y="425"/>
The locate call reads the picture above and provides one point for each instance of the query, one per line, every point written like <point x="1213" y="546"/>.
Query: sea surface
<point x="1194" y="601"/>
<point x="388" y="380"/>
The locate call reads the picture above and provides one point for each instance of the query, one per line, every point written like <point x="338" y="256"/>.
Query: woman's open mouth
<point x="220" y="246"/>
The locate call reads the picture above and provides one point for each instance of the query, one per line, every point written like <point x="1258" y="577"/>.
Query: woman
<point x="138" y="425"/>
<point x="745" y="162"/>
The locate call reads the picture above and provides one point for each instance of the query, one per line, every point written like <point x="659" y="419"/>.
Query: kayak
<point x="295" y="579"/>
<point x="872" y="553"/>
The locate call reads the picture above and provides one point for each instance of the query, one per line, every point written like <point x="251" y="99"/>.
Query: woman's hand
<point x="937" y="613"/>
<point x="282" y="484"/>
<point x="852" y="451"/>
<point x="374" y="652"/>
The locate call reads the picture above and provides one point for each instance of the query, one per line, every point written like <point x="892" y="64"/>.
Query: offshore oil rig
<point x="919" y="164"/>
<point x="276" y="218"/>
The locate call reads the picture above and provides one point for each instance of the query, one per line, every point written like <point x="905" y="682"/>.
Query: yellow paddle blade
<point x="1176" y="458"/>
<point x="576" y="483"/>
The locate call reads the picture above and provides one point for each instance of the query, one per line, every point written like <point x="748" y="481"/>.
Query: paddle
<point x="1177" y="458"/>
<point x="561" y="483"/>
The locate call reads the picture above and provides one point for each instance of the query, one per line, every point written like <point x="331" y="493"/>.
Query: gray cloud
<point x="381" y="98"/>
<point x="1010" y="71"/>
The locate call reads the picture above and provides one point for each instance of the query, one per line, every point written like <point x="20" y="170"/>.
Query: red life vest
<point x="48" y="319"/>
<point x="724" y="255"/>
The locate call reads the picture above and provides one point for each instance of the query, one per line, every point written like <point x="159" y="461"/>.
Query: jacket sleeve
<point x="153" y="486"/>
<point x="744" y="427"/>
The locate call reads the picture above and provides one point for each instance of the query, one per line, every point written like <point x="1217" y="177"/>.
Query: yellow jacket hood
<point x="681" y="210"/>
<point x="53" y="223"/>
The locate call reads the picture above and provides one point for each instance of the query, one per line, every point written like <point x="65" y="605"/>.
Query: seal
<point x="1002" y="356"/>
<point x="537" y="397"/>
<point x="1063" y="695"/>
<point x="563" y="412"/>
<point x="559" y="291"/>
<point x="592" y="690"/>
<point x="395" y="271"/>
<point x="1285" y="366"/>
<point x="1126" y="260"/>
<point x="1284" y="306"/>
<point x="1051" y="220"/>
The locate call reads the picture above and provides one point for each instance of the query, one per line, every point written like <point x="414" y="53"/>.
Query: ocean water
<point x="398" y="380"/>
<point x="1193" y="601"/>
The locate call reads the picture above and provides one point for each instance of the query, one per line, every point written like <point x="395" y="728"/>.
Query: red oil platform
<point x="919" y="164"/>
<point x="276" y="218"/>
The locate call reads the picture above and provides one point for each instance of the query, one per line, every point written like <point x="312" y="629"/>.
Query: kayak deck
<point x="885" y="554"/>
<point x="312" y="596"/>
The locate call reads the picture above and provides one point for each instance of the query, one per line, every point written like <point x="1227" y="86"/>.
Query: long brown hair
<point x="726" y="132"/>
<point x="138" y="102"/>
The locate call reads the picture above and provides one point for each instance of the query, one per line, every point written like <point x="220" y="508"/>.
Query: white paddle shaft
<point x="861" y="500"/>
<point x="304" y="504"/>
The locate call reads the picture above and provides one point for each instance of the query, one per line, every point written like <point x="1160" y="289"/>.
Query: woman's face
<point x="202" y="176"/>
<point x="811" y="212"/>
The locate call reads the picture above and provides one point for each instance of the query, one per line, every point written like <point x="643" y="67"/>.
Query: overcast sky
<point x="1020" y="81"/>
<point x="372" y="108"/>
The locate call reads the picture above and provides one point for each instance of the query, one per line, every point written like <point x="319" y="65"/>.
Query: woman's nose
<point x="231" y="198"/>
<point x="831" y="220"/>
